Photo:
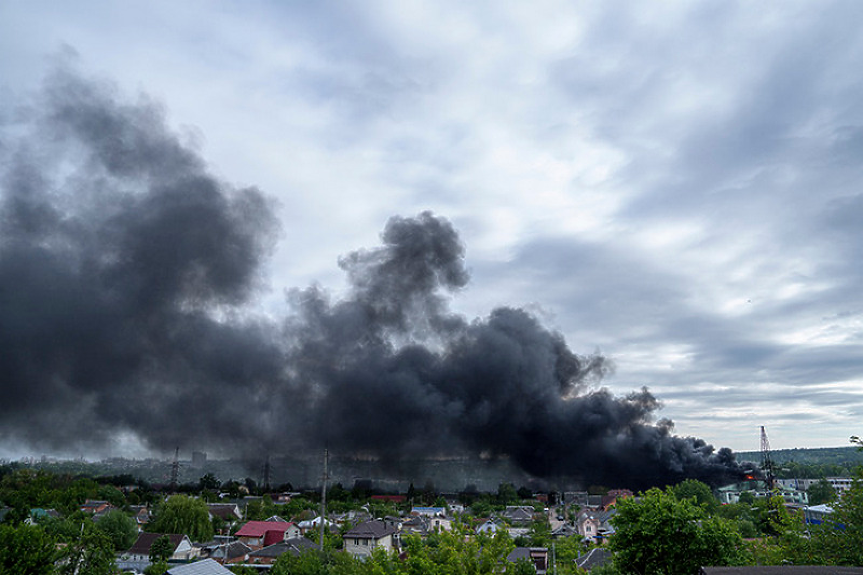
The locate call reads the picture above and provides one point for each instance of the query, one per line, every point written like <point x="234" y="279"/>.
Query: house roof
<point x="594" y="558"/>
<point x="223" y="510"/>
<point x="232" y="550"/>
<point x="145" y="541"/>
<point x="375" y="529"/>
<point x="205" y="567"/>
<point x="526" y="553"/>
<point x="260" y="528"/>
<point x="294" y="546"/>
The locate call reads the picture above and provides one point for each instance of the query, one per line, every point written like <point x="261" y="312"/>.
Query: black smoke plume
<point x="127" y="271"/>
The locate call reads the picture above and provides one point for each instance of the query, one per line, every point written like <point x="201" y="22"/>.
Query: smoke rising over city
<point x="128" y="272"/>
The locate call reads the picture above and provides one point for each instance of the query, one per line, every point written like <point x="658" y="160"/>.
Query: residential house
<point x="258" y="534"/>
<point x="268" y="555"/>
<point x="564" y="530"/>
<point x="95" y="506"/>
<point x="37" y="514"/>
<point x="227" y="512"/>
<point x="488" y="526"/>
<point x="594" y="525"/>
<point x="518" y="514"/>
<point x="205" y="567"/>
<point x="363" y="539"/>
<point x="314" y="525"/>
<point x="536" y="555"/>
<point x="229" y="552"/>
<point x="138" y="556"/>
<point x="429" y="511"/>
<point x="441" y="523"/>
<point x="141" y="514"/>
<point x="613" y="496"/>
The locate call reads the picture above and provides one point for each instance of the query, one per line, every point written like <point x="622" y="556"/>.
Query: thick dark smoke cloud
<point x="126" y="273"/>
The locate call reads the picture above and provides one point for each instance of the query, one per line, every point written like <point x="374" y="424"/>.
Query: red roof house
<point x="259" y="534"/>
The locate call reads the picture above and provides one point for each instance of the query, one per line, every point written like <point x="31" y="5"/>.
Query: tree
<point x="183" y="514"/>
<point x="26" y="550"/>
<point x="842" y="536"/>
<point x="161" y="549"/>
<point x="660" y="534"/>
<point x="120" y="528"/>
<point x="208" y="482"/>
<point x="91" y="553"/>
<point x="506" y="494"/>
<point x="697" y="490"/>
<point x="821" y="492"/>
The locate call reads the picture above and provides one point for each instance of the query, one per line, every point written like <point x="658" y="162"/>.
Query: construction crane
<point x="766" y="461"/>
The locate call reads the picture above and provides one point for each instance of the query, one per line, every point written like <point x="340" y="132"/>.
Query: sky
<point x="675" y="186"/>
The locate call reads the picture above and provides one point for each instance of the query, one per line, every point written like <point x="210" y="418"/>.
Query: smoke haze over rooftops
<point x="127" y="272"/>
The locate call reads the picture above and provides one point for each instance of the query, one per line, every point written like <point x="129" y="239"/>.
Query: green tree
<point x="208" y="482"/>
<point x="161" y="549"/>
<point x="120" y="528"/>
<point x="521" y="567"/>
<point x="91" y="553"/>
<point x="660" y="534"/>
<point x="26" y="550"/>
<point x="506" y="494"/>
<point x="821" y="492"/>
<point x="567" y="550"/>
<point x="697" y="490"/>
<point x="185" y="515"/>
<point x="842" y="536"/>
<point x="157" y="568"/>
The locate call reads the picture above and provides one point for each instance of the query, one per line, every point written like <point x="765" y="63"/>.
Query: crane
<point x="766" y="461"/>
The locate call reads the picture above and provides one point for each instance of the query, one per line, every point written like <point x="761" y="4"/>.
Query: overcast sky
<point x="675" y="185"/>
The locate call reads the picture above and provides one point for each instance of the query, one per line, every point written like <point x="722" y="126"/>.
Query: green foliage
<point x="26" y="550"/>
<point x="842" y="537"/>
<point x="92" y="553"/>
<point x="157" y="568"/>
<point x="521" y="567"/>
<point x="481" y="508"/>
<point x="660" y="534"/>
<point x="567" y="550"/>
<point x="700" y="492"/>
<point x="507" y="495"/>
<point x="120" y="528"/>
<point x="208" y="482"/>
<point x="540" y="533"/>
<point x="821" y="492"/>
<point x="183" y="514"/>
<point x="161" y="549"/>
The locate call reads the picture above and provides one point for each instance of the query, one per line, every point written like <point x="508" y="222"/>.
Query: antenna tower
<point x="175" y="470"/>
<point x="766" y="461"/>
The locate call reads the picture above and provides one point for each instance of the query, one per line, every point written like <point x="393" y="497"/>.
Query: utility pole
<point x="324" y="497"/>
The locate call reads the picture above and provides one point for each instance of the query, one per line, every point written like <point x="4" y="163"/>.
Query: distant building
<point x="731" y="493"/>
